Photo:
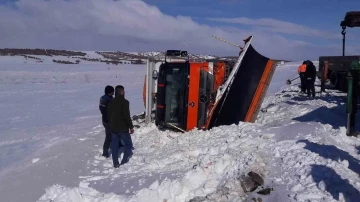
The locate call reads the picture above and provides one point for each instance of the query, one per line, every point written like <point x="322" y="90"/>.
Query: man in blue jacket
<point x="104" y="102"/>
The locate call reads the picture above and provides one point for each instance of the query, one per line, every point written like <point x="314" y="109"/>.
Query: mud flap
<point x="243" y="97"/>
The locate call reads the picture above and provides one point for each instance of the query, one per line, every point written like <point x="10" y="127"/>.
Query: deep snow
<point x="52" y="138"/>
<point x="46" y="104"/>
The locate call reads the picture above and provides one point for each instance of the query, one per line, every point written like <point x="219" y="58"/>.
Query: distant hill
<point x="108" y="57"/>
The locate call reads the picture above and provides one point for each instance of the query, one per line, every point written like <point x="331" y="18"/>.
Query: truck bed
<point x="338" y="63"/>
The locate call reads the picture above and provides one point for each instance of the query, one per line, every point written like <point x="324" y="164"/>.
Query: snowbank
<point x="196" y="164"/>
<point x="302" y="155"/>
<point x="297" y="145"/>
<point x="302" y="159"/>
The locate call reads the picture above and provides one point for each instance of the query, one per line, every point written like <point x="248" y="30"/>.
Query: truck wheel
<point x="339" y="81"/>
<point x="333" y="79"/>
<point x="342" y="81"/>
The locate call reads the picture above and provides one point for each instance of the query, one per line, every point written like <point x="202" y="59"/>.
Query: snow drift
<point x="297" y="145"/>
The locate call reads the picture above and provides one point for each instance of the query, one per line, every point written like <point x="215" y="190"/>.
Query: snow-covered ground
<point x="47" y="107"/>
<point x="51" y="142"/>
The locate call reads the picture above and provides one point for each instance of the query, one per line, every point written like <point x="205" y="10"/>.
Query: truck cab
<point x="186" y="90"/>
<point x="184" y="94"/>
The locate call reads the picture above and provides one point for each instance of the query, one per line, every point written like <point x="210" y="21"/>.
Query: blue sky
<point x="316" y="13"/>
<point x="319" y="14"/>
<point x="289" y="29"/>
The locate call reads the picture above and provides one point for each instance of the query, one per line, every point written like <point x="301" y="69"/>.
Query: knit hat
<point x="109" y="89"/>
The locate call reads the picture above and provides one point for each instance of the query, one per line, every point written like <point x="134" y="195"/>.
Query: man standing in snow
<point x="121" y="126"/>
<point x="301" y="72"/>
<point x="104" y="101"/>
<point x="310" y="75"/>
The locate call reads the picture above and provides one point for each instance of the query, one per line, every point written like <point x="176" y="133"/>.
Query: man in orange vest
<point x="301" y="72"/>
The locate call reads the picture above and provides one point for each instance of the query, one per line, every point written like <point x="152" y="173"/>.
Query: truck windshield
<point x="176" y="94"/>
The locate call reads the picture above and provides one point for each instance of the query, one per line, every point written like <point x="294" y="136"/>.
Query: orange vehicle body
<point x="185" y="95"/>
<point x="194" y="81"/>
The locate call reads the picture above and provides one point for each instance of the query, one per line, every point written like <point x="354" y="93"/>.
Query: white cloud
<point x="131" y="26"/>
<point x="279" y="26"/>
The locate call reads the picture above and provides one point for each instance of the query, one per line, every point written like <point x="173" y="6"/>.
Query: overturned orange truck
<point x="183" y="95"/>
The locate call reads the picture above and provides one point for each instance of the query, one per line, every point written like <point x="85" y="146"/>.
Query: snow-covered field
<point x="51" y="141"/>
<point x="47" y="109"/>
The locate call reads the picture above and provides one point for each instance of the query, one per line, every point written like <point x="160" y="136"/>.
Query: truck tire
<point x="339" y="81"/>
<point x="342" y="81"/>
<point x="333" y="79"/>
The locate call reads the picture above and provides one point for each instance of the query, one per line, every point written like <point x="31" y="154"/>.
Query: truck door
<point x="205" y="89"/>
<point x="200" y="87"/>
<point x="172" y="94"/>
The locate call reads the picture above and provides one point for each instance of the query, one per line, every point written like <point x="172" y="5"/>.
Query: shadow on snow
<point x="333" y="182"/>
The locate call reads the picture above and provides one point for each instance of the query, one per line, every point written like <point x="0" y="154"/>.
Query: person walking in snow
<point x="121" y="126"/>
<point x="310" y="75"/>
<point x="301" y="72"/>
<point x="103" y="105"/>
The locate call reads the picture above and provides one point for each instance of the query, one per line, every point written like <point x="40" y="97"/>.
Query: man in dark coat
<point x="120" y="125"/>
<point x="103" y="105"/>
<point x="310" y="75"/>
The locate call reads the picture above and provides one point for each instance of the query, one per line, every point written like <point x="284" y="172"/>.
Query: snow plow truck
<point x="182" y="95"/>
